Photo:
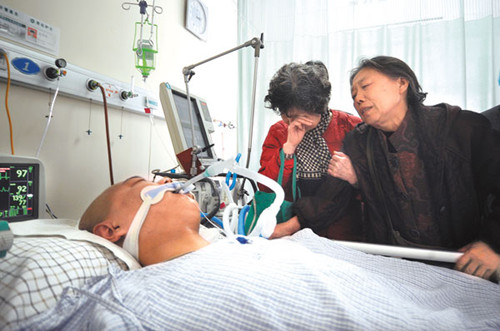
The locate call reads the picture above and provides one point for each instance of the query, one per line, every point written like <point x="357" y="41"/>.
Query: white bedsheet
<point x="280" y="285"/>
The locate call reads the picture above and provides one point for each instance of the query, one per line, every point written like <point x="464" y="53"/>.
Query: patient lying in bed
<point x="299" y="282"/>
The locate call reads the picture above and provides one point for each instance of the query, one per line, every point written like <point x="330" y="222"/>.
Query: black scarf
<point x="312" y="153"/>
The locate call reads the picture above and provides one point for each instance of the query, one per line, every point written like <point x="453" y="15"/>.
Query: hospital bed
<point x="317" y="284"/>
<point x="49" y="255"/>
<point x="360" y="291"/>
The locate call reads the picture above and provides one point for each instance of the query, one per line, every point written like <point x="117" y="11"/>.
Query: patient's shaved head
<point x="98" y="210"/>
<point x="117" y="202"/>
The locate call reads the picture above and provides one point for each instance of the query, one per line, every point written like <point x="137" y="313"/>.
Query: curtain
<point x="450" y="44"/>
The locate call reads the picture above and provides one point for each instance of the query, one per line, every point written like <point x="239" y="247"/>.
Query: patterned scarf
<point x="312" y="153"/>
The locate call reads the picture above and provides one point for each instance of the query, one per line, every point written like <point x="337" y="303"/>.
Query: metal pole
<point x="404" y="252"/>
<point x="252" y="109"/>
<point x="194" y="150"/>
<point x="188" y="72"/>
<point x="251" y="42"/>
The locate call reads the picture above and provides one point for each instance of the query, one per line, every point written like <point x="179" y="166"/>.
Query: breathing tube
<point x="267" y="220"/>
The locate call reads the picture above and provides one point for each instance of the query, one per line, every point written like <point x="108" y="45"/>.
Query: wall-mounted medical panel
<point x="28" y="30"/>
<point x="36" y="70"/>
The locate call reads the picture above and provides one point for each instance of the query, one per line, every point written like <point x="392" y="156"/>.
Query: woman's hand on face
<point x="479" y="260"/>
<point x="286" y="228"/>
<point x="340" y="166"/>
<point x="297" y="129"/>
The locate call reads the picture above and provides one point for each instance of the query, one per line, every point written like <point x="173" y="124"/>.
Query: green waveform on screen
<point x="18" y="211"/>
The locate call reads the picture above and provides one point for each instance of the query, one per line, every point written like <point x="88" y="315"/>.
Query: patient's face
<point x="174" y="207"/>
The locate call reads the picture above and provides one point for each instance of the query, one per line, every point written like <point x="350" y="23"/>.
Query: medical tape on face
<point x="149" y="195"/>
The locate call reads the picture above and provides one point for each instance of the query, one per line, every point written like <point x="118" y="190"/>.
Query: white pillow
<point x="46" y="257"/>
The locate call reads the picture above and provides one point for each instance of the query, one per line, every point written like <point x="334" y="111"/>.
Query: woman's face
<point x="308" y="120"/>
<point x="380" y="100"/>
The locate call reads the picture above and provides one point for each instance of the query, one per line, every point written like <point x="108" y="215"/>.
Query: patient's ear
<point x="106" y="230"/>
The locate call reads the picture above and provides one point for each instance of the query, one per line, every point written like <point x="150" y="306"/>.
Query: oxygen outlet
<point x="92" y="85"/>
<point x="124" y="95"/>
<point x="51" y="73"/>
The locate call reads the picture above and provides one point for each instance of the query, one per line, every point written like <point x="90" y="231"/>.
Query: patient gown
<point x="302" y="282"/>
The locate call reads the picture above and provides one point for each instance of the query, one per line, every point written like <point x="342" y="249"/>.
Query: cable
<point x="174" y="161"/>
<point x="7" y="101"/>
<point x="167" y="173"/>
<point x="214" y="221"/>
<point x="155" y="129"/>
<point x="49" y="211"/>
<point x="151" y="124"/>
<point x="51" y="109"/>
<point x="110" y="162"/>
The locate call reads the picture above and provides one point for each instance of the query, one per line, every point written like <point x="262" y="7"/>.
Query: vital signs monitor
<point x="22" y="188"/>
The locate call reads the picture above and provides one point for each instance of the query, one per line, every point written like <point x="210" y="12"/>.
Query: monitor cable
<point x="49" y="211"/>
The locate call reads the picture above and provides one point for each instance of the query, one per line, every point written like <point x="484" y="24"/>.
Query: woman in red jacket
<point x="311" y="132"/>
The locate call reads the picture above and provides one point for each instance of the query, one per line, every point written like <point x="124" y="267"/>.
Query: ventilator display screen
<point x="177" y="116"/>
<point x="19" y="191"/>
<point x="200" y="134"/>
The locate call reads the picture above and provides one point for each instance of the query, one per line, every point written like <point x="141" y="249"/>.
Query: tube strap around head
<point x="150" y="195"/>
<point x="131" y="243"/>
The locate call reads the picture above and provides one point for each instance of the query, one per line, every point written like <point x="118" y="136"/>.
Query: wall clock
<point x="197" y="18"/>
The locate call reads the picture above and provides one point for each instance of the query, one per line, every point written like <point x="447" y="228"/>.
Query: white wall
<point x="97" y="35"/>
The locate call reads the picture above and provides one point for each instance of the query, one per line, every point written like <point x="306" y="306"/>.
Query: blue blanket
<point x="303" y="282"/>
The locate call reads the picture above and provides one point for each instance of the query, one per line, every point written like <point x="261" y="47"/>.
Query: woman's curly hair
<point x="301" y="86"/>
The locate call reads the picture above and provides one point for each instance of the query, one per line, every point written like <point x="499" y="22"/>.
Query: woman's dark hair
<point x="320" y="65"/>
<point x="303" y="86"/>
<point x="394" y="68"/>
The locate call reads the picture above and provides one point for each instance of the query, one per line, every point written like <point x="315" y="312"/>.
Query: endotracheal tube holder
<point x="150" y="195"/>
<point x="267" y="220"/>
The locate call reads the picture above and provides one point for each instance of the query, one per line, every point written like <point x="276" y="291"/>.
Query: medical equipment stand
<point x="188" y="72"/>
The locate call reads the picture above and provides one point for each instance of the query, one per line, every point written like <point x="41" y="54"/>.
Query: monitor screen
<point x="175" y="107"/>
<point x="21" y="188"/>
<point x="200" y="134"/>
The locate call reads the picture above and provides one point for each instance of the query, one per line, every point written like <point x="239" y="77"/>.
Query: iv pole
<point x="188" y="72"/>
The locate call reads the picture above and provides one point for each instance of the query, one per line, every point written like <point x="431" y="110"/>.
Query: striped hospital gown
<point x="299" y="283"/>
